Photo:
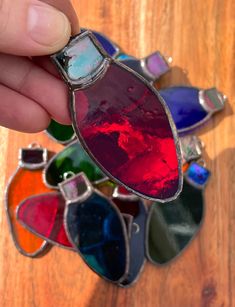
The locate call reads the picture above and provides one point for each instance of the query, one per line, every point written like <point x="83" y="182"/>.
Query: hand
<point x="30" y="90"/>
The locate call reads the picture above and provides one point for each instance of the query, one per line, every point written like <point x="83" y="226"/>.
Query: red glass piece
<point x="125" y="127"/>
<point x="127" y="206"/>
<point x="123" y="191"/>
<point x="43" y="214"/>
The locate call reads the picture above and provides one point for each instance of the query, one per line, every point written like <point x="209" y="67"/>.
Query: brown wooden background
<point x="199" y="35"/>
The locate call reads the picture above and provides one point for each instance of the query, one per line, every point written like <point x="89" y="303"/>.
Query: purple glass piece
<point x="156" y="64"/>
<point x="76" y="187"/>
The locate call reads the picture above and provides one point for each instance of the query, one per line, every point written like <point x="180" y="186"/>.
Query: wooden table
<point x="199" y="35"/>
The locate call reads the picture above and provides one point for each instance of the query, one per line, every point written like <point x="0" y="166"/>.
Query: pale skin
<point x="31" y="92"/>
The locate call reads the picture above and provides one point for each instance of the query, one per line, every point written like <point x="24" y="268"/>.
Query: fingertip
<point x="48" y="28"/>
<point x="41" y="125"/>
<point x="32" y="28"/>
<point x="63" y="119"/>
<point x="36" y="124"/>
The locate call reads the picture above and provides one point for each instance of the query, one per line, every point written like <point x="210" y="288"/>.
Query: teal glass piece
<point x="72" y="159"/>
<point x="172" y="226"/>
<point x="124" y="57"/>
<point x="84" y="58"/>
<point x="63" y="134"/>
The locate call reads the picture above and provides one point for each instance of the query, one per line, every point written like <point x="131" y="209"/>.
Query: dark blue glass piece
<point x="107" y="44"/>
<point x="184" y="106"/>
<point x="137" y="210"/>
<point x="171" y="226"/>
<point x="98" y="232"/>
<point x="197" y="175"/>
<point x="135" y="64"/>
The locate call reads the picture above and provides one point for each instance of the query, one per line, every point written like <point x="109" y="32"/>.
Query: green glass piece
<point x="106" y="183"/>
<point x="73" y="159"/>
<point x="171" y="226"/>
<point x="61" y="133"/>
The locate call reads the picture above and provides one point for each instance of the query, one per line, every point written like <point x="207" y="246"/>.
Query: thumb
<point x="32" y="27"/>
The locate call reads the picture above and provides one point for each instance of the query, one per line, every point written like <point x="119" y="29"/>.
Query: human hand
<point x="30" y="90"/>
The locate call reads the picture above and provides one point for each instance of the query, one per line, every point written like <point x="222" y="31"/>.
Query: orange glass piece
<point x="185" y="167"/>
<point x="23" y="184"/>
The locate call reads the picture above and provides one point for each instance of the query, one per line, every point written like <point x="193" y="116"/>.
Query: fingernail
<point x="48" y="26"/>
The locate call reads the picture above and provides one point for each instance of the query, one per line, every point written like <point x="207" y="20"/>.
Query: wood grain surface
<point x="199" y="35"/>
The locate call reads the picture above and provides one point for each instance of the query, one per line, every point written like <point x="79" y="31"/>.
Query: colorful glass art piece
<point x="43" y="215"/>
<point x="72" y="159"/>
<point x="26" y="181"/>
<point x="128" y="148"/>
<point x="121" y="121"/>
<point x="96" y="228"/>
<point x="191" y="107"/>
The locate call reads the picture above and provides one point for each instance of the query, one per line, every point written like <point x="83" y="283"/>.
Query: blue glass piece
<point x="171" y="226"/>
<point x="137" y="210"/>
<point x="184" y="106"/>
<point x="136" y="65"/>
<point x="107" y="44"/>
<point x="98" y="232"/>
<point x="197" y="175"/>
<point x="123" y="56"/>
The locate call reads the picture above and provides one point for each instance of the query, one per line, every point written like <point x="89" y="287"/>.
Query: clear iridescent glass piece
<point x="81" y="61"/>
<point x="191" y="147"/>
